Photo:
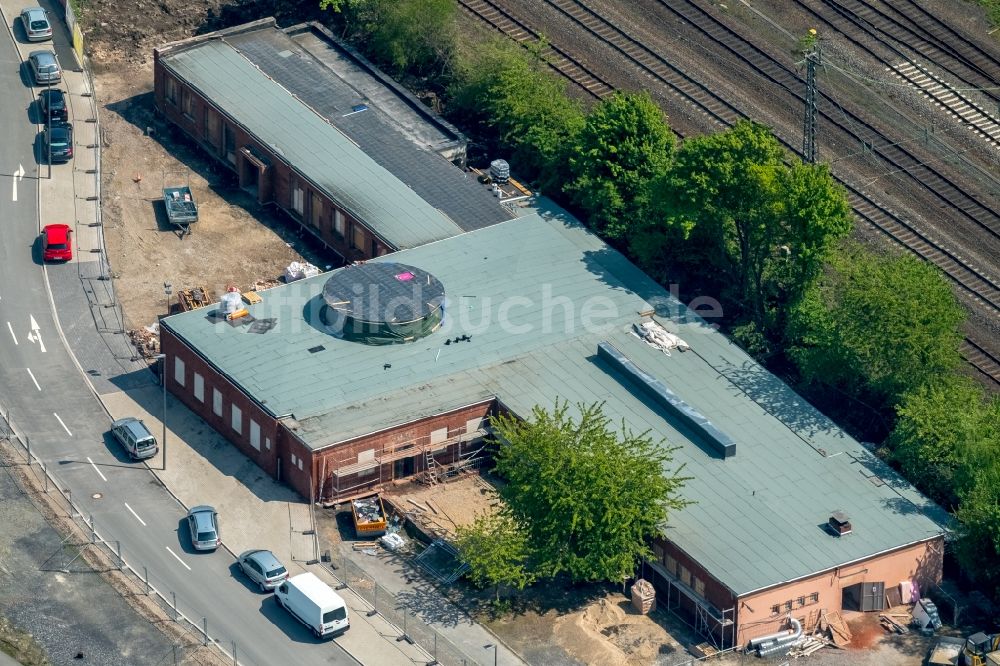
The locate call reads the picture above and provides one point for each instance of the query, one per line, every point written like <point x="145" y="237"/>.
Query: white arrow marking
<point x="137" y="516"/>
<point x="62" y="424"/>
<point x="18" y="175"/>
<point x="95" y="469"/>
<point x="33" y="379"/>
<point x="11" y="329"/>
<point x="178" y="559"/>
<point x="35" y="335"/>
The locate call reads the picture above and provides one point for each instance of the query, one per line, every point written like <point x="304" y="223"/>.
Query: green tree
<point x="937" y="425"/>
<point x="412" y="36"/>
<point x="978" y="545"/>
<point x="497" y="550"/>
<point x="588" y="497"/>
<point x="509" y="97"/>
<point x="624" y="144"/>
<point x="731" y="211"/>
<point x="876" y="327"/>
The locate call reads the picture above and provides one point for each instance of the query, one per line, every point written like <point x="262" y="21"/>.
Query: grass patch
<point x="21" y="645"/>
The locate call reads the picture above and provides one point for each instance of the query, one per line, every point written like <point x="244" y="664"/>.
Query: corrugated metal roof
<point x="310" y="144"/>
<point x="758" y="516"/>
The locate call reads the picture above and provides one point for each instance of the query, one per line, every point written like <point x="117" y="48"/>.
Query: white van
<point x="313" y="603"/>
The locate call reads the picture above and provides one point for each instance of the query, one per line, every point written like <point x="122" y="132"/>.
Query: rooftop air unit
<point x="499" y="171"/>
<point x="839" y="524"/>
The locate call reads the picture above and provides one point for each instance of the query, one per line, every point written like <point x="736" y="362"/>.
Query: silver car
<point x="133" y="434"/>
<point x="263" y="568"/>
<point x="36" y="24"/>
<point x="204" y="524"/>
<point x="44" y="67"/>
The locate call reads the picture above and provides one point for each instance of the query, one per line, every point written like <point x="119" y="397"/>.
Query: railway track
<point x="970" y="280"/>
<point x="853" y="17"/>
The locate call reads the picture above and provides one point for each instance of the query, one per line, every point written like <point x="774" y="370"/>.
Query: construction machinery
<point x="981" y="650"/>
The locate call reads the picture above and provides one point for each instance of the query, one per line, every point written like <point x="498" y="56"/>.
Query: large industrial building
<point x="342" y="383"/>
<point x="310" y="126"/>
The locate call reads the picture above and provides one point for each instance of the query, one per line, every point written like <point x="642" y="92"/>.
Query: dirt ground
<point x="233" y="242"/>
<point x="452" y="504"/>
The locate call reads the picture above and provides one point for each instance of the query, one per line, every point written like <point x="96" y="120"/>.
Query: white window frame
<point x="267" y="443"/>
<point x="254" y="434"/>
<point x="236" y="420"/>
<point x="179" y="370"/>
<point x="217" y="402"/>
<point x="300" y="464"/>
<point x="298" y="197"/>
<point x="199" y="387"/>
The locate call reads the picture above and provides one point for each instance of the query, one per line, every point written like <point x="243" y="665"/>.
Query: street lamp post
<point x="495" y="649"/>
<point x="162" y="358"/>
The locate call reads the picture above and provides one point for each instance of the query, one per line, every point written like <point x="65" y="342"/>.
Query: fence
<point x="192" y="641"/>
<point x="400" y="612"/>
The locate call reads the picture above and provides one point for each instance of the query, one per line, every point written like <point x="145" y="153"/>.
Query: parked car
<point x="36" y="24"/>
<point x="313" y="603"/>
<point x="44" y="67"/>
<point x="57" y="242"/>
<point x="263" y="568"/>
<point x="135" y="438"/>
<point x="57" y="142"/>
<point x="52" y="105"/>
<point x="204" y="524"/>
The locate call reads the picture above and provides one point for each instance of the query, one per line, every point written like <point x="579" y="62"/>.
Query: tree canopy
<point x="876" y="327"/>
<point x="624" y="144"/>
<point x="731" y="211"/>
<point x="497" y="550"/>
<point x="588" y="497"/>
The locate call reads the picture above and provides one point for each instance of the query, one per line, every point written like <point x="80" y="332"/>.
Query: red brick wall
<point x="276" y="188"/>
<point x="418" y="432"/>
<point x="670" y="556"/>
<point x="266" y="457"/>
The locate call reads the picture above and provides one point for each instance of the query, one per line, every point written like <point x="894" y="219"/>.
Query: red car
<point x="57" y="242"/>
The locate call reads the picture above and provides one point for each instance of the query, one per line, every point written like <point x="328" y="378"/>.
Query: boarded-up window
<point x="217" y="402"/>
<point x="366" y="456"/>
<point x="684" y="575"/>
<point x="187" y="103"/>
<point x="171" y="90"/>
<point x="472" y="425"/>
<point x="657" y="552"/>
<point x="211" y="126"/>
<point x="315" y="209"/>
<point x="338" y="223"/>
<point x="300" y="463"/>
<point x="671" y="565"/>
<point x="699" y="587"/>
<point x="439" y="435"/>
<point x="237" y="420"/>
<point x="359" y="237"/>
<point x="179" y="370"/>
<point x="254" y="434"/>
<point x="298" y="196"/>
<point x="199" y="387"/>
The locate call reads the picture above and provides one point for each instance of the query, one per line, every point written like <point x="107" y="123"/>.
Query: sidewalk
<point x="203" y="468"/>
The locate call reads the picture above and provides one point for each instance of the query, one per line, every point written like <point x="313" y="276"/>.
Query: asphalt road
<point x="52" y="405"/>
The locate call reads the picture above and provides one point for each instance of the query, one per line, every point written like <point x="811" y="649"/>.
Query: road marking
<point x="62" y="424"/>
<point x="178" y="559"/>
<point x="17" y="175"/>
<point x="11" y="329"/>
<point x="95" y="469"/>
<point x="33" y="379"/>
<point x="136" y="516"/>
<point x="34" y="334"/>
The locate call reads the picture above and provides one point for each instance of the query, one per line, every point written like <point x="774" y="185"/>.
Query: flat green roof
<point x="311" y="145"/>
<point x="522" y="291"/>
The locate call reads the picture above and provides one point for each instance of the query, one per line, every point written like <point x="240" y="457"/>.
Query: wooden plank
<point x="893" y="597"/>
<point x="839" y="630"/>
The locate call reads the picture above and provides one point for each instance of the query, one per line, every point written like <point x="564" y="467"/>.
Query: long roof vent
<point x="658" y="391"/>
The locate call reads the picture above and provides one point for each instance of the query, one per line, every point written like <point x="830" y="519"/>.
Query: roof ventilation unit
<point x="383" y="303"/>
<point x="658" y="391"/>
<point x="499" y="171"/>
<point x="839" y="524"/>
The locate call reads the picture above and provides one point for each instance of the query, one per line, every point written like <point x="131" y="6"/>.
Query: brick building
<point x="533" y="310"/>
<point x="311" y="127"/>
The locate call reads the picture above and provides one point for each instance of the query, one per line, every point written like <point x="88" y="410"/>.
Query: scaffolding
<point x="428" y="459"/>
<point x="718" y="626"/>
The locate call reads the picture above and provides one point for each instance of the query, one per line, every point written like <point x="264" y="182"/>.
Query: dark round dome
<point x="385" y="303"/>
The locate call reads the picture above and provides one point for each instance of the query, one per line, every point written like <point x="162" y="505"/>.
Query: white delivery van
<point x="313" y="603"/>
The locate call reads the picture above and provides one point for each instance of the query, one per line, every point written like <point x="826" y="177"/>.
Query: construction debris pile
<point x="368" y="510"/>
<point x="146" y="340"/>
<point x="643" y="596"/>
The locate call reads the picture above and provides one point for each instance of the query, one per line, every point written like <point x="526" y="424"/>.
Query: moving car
<point x="36" y="24"/>
<point x="135" y="438"/>
<point x="204" y="524"/>
<point x="44" y="67"/>
<point x="263" y="568"/>
<point x="52" y="104"/>
<point x="57" y="242"/>
<point x="57" y="143"/>
<point x="313" y="603"/>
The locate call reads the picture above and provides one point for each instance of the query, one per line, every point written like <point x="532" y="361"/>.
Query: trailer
<point x="182" y="211"/>
<point x="369" y="517"/>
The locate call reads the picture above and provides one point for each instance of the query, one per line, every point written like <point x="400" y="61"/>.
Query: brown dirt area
<point x="454" y="504"/>
<point x="234" y="240"/>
